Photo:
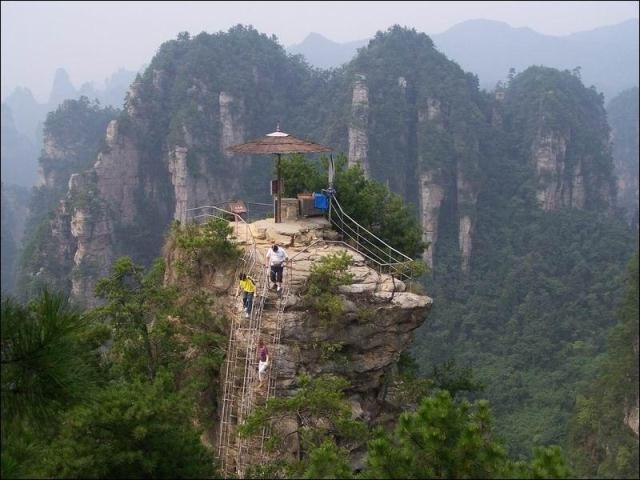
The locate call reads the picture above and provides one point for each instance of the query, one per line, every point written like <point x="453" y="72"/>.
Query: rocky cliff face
<point x="358" y="140"/>
<point x="167" y="152"/>
<point x="622" y="113"/>
<point x="364" y="344"/>
<point x="556" y="188"/>
<point x="431" y="197"/>
<point x="72" y="135"/>
<point x="562" y="132"/>
<point x="13" y="215"/>
<point x="632" y="409"/>
<point x="92" y="230"/>
<point x="411" y="118"/>
<point x="467" y="198"/>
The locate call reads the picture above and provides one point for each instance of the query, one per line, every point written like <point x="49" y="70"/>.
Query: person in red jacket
<point x="263" y="360"/>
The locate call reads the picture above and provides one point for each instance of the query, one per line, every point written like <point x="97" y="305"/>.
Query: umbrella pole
<point x="279" y="203"/>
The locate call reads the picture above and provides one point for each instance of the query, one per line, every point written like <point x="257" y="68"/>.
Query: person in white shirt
<point x="276" y="256"/>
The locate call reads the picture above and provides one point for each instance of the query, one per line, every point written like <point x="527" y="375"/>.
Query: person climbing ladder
<point x="263" y="360"/>
<point x="248" y="287"/>
<point x="276" y="256"/>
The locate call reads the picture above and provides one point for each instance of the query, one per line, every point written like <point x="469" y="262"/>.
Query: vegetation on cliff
<point x="369" y="202"/>
<point x="601" y="441"/>
<point x="124" y="390"/>
<point x="532" y="315"/>
<point x="14" y="207"/>
<point x="441" y="438"/>
<point x="544" y="101"/>
<point x="74" y="133"/>
<point x="622" y="114"/>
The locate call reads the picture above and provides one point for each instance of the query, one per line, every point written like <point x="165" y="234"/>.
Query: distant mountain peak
<point x="62" y="88"/>
<point x="314" y="35"/>
<point x="323" y="52"/>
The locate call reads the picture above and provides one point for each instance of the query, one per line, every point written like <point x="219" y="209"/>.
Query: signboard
<point x="274" y="186"/>
<point x="237" y="207"/>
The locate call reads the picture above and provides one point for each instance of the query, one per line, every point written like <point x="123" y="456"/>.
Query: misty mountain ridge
<point x="23" y="118"/>
<point x="489" y="48"/>
<point x="324" y="53"/>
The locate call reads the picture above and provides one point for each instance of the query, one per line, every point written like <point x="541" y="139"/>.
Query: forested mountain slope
<point x="603" y="434"/>
<point x="545" y="278"/>
<point x="514" y="192"/>
<point x="622" y="114"/>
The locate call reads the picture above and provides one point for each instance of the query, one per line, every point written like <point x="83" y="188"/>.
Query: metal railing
<point x="376" y="251"/>
<point x="241" y="363"/>
<point x="251" y="449"/>
<point x="237" y="394"/>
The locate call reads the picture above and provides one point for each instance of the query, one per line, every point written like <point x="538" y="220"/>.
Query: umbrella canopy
<point x="278" y="142"/>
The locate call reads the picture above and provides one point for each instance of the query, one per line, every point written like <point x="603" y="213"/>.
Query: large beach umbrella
<point x="278" y="143"/>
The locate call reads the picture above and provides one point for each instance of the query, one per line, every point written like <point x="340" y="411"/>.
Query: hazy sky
<point x="91" y="40"/>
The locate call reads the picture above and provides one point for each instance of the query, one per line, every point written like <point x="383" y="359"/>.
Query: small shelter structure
<point x="278" y="143"/>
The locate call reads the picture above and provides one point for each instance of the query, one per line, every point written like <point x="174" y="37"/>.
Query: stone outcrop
<point x="117" y="174"/>
<point x="467" y="200"/>
<point x="431" y="111"/>
<point x="548" y="152"/>
<point x="622" y="115"/>
<point x="358" y="139"/>
<point x="124" y="183"/>
<point x="431" y="197"/>
<point x="49" y="174"/>
<point x="180" y="180"/>
<point x="92" y="229"/>
<point x="564" y="183"/>
<point x="632" y="410"/>
<point x="231" y="113"/>
<point x="438" y="182"/>
<point x="377" y="324"/>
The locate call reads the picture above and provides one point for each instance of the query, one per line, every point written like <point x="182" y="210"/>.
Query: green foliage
<point x="328" y="461"/>
<point x="454" y="379"/>
<point x="444" y="439"/>
<point x="117" y="393"/>
<point x="600" y="443"/>
<point x="440" y="440"/>
<point x="547" y="462"/>
<point x="376" y="208"/>
<point x="207" y="243"/>
<point x="136" y="307"/>
<point x="532" y="315"/>
<point x="156" y="326"/>
<point x="622" y="114"/>
<point x="300" y="175"/>
<point x="76" y="132"/>
<point x="570" y="111"/>
<point x="327" y="275"/>
<point x="49" y="354"/>
<point x="44" y="359"/>
<point x="409" y="387"/>
<point x="368" y="202"/>
<point x="132" y="430"/>
<point x="322" y="414"/>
